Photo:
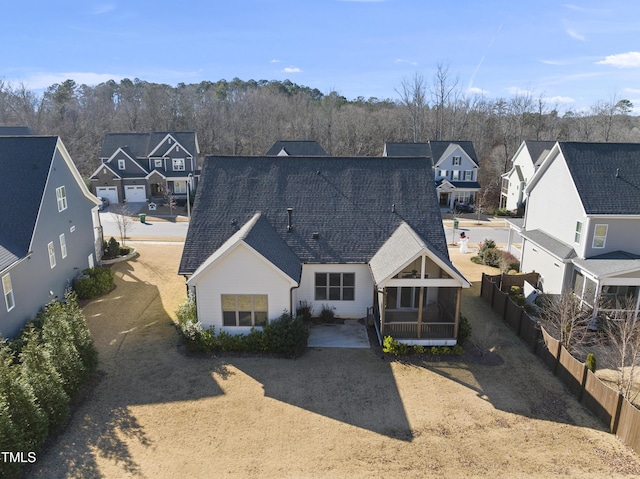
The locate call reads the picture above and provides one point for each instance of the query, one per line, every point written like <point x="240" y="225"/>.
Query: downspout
<point x="291" y="299"/>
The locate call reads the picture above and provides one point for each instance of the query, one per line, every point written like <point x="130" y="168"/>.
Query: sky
<point x="570" y="54"/>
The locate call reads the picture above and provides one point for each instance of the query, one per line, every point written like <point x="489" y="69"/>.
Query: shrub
<point x="395" y="347"/>
<point x="508" y="262"/>
<point x="591" y="362"/>
<point x="464" y="330"/>
<point x="491" y="257"/>
<point x="419" y="349"/>
<point x="327" y="314"/>
<point x="458" y="350"/>
<point x="305" y="310"/>
<point x="94" y="282"/>
<point x="502" y="212"/>
<point x="110" y="249"/>
<point x="515" y="291"/>
<point x="286" y="335"/>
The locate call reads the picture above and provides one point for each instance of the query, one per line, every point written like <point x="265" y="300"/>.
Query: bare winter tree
<point x="622" y="341"/>
<point x="566" y="320"/>
<point x="122" y="216"/>
<point x="413" y="94"/>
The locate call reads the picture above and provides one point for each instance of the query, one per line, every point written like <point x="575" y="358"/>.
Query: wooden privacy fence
<point x="618" y="414"/>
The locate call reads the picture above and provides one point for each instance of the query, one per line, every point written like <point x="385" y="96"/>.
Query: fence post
<point x="583" y="383"/>
<point x="555" y="366"/>
<point x="482" y="286"/>
<point x="615" y="420"/>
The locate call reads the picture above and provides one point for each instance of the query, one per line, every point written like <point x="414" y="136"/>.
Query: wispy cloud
<point x="474" y="90"/>
<point x="553" y="62"/>
<point x="559" y="99"/>
<point x="291" y="70"/>
<point x="575" y="35"/>
<point x="274" y="61"/>
<point x="622" y="60"/>
<point x="45" y="79"/>
<point x="102" y="9"/>
<point x="515" y="90"/>
<point x="408" y="62"/>
<point x="475" y="72"/>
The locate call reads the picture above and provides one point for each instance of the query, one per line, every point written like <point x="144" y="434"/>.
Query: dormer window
<point x="121" y="165"/>
<point x="157" y="163"/>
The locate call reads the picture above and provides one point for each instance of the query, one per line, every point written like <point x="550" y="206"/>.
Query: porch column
<point x="420" y="301"/>
<point x="382" y="310"/>
<point x="456" y="320"/>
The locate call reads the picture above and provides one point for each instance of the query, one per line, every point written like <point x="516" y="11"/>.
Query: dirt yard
<point x="157" y="413"/>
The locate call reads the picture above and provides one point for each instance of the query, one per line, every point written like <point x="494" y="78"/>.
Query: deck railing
<point x="404" y="330"/>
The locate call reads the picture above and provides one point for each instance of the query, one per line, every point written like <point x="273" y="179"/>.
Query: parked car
<point x="462" y="207"/>
<point x="104" y="202"/>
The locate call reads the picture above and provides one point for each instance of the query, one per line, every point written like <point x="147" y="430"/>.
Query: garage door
<point x="135" y="194"/>
<point x="108" y="192"/>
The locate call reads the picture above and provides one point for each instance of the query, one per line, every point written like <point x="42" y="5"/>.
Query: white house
<point x="582" y="222"/>
<point x="363" y="236"/>
<point x="523" y="165"/>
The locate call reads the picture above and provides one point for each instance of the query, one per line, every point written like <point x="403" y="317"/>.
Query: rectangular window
<point x="180" y="187"/>
<point x="443" y="173"/>
<point x="157" y="163"/>
<point x="52" y="255"/>
<point x="455" y="175"/>
<point x="578" y="234"/>
<point x="61" y="196"/>
<point x="121" y="165"/>
<point x="178" y="164"/>
<point x="457" y="160"/>
<point x="244" y="309"/>
<point x="8" y="292"/>
<point x="468" y="175"/>
<point x="335" y="286"/>
<point x="600" y="236"/>
<point x="405" y="298"/>
<point x="63" y="246"/>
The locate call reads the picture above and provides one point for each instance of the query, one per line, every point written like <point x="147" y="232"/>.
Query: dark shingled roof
<point x="344" y="209"/>
<point x="140" y="145"/>
<point x="25" y="163"/>
<point x="16" y="131"/>
<point x="606" y="175"/>
<point x="297" y="148"/>
<point x="406" y="149"/>
<point x="439" y="147"/>
<point x="537" y="148"/>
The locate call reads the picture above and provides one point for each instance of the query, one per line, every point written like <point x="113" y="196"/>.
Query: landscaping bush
<point x="393" y="346"/>
<point x="590" y="362"/>
<point x="327" y="314"/>
<point x="110" y="249"/>
<point x="285" y="336"/>
<point x="464" y="330"/>
<point x="39" y="372"/>
<point x="305" y="310"/>
<point x="94" y="282"/>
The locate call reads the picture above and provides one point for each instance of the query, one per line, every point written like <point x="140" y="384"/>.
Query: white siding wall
<point x="551" y="269"/>
<point x="240" y="272"/>
<point x="345" y="309"/>
<point x="554" y="206"/>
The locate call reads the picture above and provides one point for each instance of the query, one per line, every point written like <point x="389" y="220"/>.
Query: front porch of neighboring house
<point x="416" y="308"/>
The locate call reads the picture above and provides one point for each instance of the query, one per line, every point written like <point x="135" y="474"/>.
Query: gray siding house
<point x="589" y="244"/>
<point x="139" y="167"/>
<point x="455" y="168"/>
<point x="49" y="228"/>
<point x="360" y="235"/>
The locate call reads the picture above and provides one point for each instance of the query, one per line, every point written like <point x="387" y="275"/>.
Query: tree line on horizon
<point x="240" y="117"/>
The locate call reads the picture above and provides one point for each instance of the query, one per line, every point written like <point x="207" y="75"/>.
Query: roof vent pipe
<point x="393" y="208"/>
<point x="617" y="172"/>
<point x="289" y="221"/>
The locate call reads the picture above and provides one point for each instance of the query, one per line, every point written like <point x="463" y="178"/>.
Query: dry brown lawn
<point x="157" y="413"/>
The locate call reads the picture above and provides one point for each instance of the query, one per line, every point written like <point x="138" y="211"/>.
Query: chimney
<point x="290" y="217"/>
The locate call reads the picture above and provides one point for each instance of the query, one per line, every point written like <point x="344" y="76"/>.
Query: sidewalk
<point x="468" y="220"/>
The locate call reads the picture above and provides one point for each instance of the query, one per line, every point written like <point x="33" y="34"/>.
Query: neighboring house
<point x="296" y="148"/>
<point x="363" y="236"/>
<point x="16" y="131"/>
<point x="524" y="164"/>
<point x="139" y="167"/>
<point x="582" y="222"/>
<point x="455" y="168"/>
<point x="49" y="228"/>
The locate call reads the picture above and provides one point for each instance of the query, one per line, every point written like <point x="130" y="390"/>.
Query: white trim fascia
<point x="104" y="165"/>
<point x="156" y="172"/>
<point x="428" y="282"/>
<point x="175" y="143"/>
<point x="449" y="151"/>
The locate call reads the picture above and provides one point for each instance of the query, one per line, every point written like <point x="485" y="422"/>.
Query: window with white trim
<point x="457" y="160"/>
<point x="468" y="175"/>
<point x="8" y="292"/>
<point x="335" y="286"/>
<point x="178" y="164"/>
<point x="121" y="165"/>
<point x="455" y="175"/>
<point x="52" y="255"/>
<point x="61" y="197"/>
<point x="180" y="187"/>
<point x="157" y="163"/>
<point x="244" y="309"/>
<point x="578" y="235"/>
<point x="443" y="173"/>
<point x="63" y="246"/>
<point x="600" y="236"/>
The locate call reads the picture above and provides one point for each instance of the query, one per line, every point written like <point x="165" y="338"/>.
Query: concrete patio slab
<point x="351" y="334"/>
